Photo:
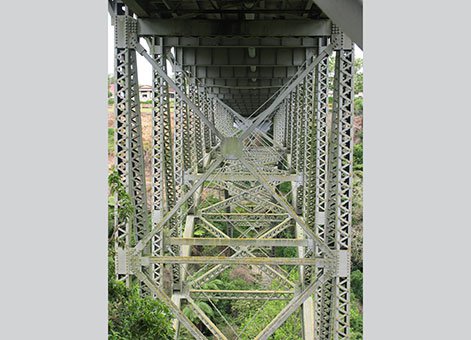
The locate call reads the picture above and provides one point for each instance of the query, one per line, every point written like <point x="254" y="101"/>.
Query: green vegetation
<point x="356" y="276"/>
<point x="130" y="316"/>
<point x="358" y="157"/>
<point x="356" y="319"/>
<point x="255" y="315"/>
<point x="358" y="106"/>
<point x="110" y="141"/>
<point x="134" y="317"/>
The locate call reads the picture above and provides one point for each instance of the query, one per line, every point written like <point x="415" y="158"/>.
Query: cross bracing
<point x="250" y="121"/>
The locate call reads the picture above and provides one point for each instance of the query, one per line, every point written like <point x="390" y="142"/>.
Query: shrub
<point x="357" y="284"/>
<point x="131" y="316"/>
<point x="358" y="106"/>
<point x="110" y="141"/>
<point x="358" y="157"/>
<point x="356" y="320"/>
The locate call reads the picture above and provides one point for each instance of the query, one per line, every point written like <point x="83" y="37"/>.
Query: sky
<point x="143" y="66"/>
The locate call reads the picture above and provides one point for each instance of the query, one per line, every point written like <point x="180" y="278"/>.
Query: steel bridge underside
<point x="250" y="120"/>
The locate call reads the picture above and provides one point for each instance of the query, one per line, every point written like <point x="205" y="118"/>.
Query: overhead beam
<point x="244" y="73"/>
<point x="347" y="14"/>
<point x="207" y="56"/>
<point x="255" y="28"/>
<point x="241" y="42"/>
<point x="137" y="7"/>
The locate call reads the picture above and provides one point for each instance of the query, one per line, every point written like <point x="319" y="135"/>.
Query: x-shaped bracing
<point x="136" y="261"/>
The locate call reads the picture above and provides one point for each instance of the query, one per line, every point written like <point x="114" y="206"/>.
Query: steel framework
<point x="250" y="118"/>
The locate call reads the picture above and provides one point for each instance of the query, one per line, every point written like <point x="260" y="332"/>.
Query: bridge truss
<point x="250" y="119"/>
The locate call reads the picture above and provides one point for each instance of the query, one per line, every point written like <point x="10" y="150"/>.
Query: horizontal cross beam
<point x="255" y="28"/>
<point x="293" y="261"/>
<point x="240" y="42"/>
<point x="244" y="177"/>
<point x="203" y="294"/>
<point x="237" y="242"/>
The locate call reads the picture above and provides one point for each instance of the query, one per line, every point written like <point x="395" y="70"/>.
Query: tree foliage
<point x="253" y="316"/>
<point x="130" y="315"/>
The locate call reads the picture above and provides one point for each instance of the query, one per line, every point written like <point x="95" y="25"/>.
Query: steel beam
<point x="173" y="308"/>
<point x="241" y="42"/>
<point x="255" y="261"/>
<point x="206" y="320"/>
<point x="343" y="221"/>
<point x="256" y="28"/>
<point x="207" y="294"/>
<point x="289" y="309"/>
<point x="347" y="14"/>
<point x="158" y="228"/>
<point x="245" y="177"/>
<point x="218" y="80"/>
<point x="237" y="242"/>
<point x="286" y="92"/>
<point x="142" y="51"/>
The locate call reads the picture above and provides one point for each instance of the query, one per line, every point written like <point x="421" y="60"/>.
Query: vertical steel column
<point x="289" y="125"/>
<point x="344" y="69"/>
<point x="123" y="233"/>
<point x="130" y="156"/>
<point x="219" y="120"/>
<point x="328" y="290"/>
<point x="301" y="143"/>
<point x="294" y="129"/>
<point x="188" y="130"/>
<point x="309" y="165"/>
<point x="179" y="115"/>
<point x="279" y="126"/>
<point x="160" y="108"/>
<point x="319" y="189"/>
<point x="189" y="151"/>
<point x="204" y="106"/>
<point x="171" y="276"/>
<point x="137" y="172"/>
<point x="212" y="112"/>
<point x="196" y="122"/>
<point x="226" y="119"/>
<point x="309" y="121"/>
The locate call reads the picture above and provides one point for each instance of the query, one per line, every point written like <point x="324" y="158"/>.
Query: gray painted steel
<point x="250" y="112"/>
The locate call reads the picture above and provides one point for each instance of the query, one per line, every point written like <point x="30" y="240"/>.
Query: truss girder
<point x="202" y="145"/>
<point x="129" y="150"/>
<point x="343" y="220"/>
